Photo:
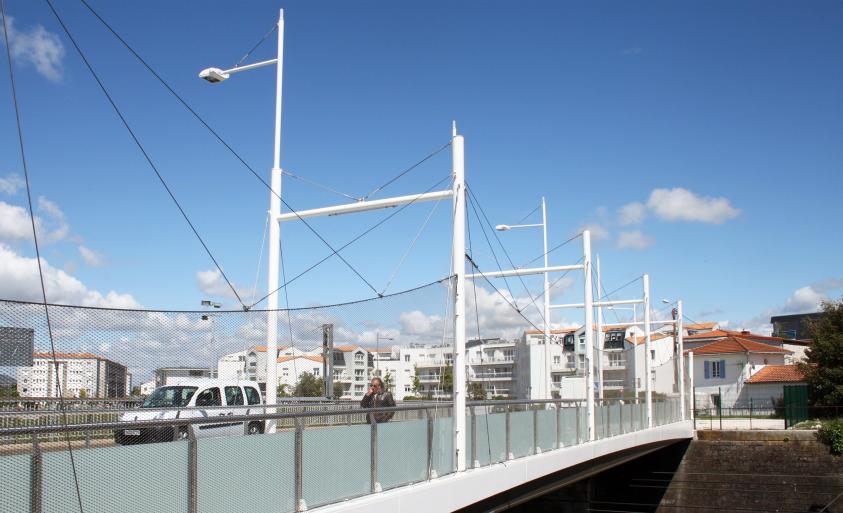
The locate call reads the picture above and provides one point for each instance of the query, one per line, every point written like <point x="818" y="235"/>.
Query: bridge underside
<point x="504" y="485"/>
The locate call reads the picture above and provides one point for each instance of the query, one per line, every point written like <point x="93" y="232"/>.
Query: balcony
<point x="613" y="384"/>
<point x="494" y="376"/>
<point x="430" y="378"/>
<point x="492" y="361"/>
<point x="564" y="367"/>
<point x="611" y="364"/>
<point x="434" y="363"/>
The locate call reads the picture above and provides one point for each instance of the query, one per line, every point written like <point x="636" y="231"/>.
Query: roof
<point x="642" y="339"/>
<point x="777" y="374"/>
<point x="558" y="331"/>
<point x="347" y="348"/>
<point x="262" y="349"/>
<point x="701" y="326"/>
<point x="743" y="334"/>
<point x="312" y="358"/>
<point x="87" y="356"/>
<point x="736" y="345"/>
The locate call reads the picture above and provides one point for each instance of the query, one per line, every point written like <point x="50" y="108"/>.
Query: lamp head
<point x="213" y="75"/>
<point x="502" y="227"/>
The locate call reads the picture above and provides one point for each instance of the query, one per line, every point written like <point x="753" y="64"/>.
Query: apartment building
<point x="396" y="369"/>
<point x="77" y="375"/>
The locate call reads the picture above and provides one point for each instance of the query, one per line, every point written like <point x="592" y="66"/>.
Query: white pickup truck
<point x="189" y="398"/>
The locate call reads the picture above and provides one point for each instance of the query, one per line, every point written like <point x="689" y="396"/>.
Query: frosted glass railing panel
<point x="402" y="453"/>
<point x="149" y="478"/>
<point x="223" y="485"/>
<point x="615" y="419"/>
<point x="443" y="446"/>
<point x="336" y="463"/>
<point x="521" y="437"/>
<point x="600" y="419"/>
<point x="569" y="426"/>
<point x="491" y="439"/>
<point x="14" y="474"/>
<point x="547" y="429"/>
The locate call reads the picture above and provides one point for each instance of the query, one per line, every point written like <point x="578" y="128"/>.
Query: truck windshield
<point x="169" y="397"/>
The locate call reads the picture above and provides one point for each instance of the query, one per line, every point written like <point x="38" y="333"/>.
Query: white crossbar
<point x="362" y="206"/>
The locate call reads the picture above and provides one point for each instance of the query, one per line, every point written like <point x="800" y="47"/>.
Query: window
<point x="408" y="388"/>
<point x="406" y="358"/>
<point x="209" y="397"/>
<point x="557" y="360"/>
<point x="652" y="354"/>
<point x="315" y="371"/>
<point x="252" y="395"/>
<point x="358" y="388"/>
<point x="233" y="396"/>
<point x="715" y="369"/>
<point x="358" y="357"/>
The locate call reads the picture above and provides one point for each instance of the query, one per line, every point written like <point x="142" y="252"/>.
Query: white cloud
<point x="14" y="222"/>
<point x="803" y="300"/>
<point x="634" y="240"/>
<point x="632" y="50"/>
<point x="11" y="184"/>
<point x="91" y="257"/>
<point x="632" y="213"/>
<point x="417" y="323"/>
<point x="19" y="280"/>
<point x="212" y="283"/>
<point x="598" y="231"/>
<point x="680" y="204"/>
<point x="54" y="227"/>
<point x="38" y="47"/>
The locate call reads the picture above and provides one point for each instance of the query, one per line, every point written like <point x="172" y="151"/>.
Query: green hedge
<point x="831" y="434"/>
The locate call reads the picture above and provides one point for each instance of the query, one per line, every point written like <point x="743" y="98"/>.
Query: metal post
<point x="328" y="359"/>
<point x="546" y="388"/>
<point x="620" y="417"/>
<point x="600" y="337"/>
<point x="458" y="160"/>
<point x="431" y="473"/>
<point x="680" y="334"/>
<point x="720" y="407"/>
<point x="648" y="389"/>
<point x="691" y="389"/>
<point x="588" y="308"/>
<point x="192" y="477"/>
<point x="536" y="448"/>
<point x="579" y="435"/>
<point x="509" y="455"/>
<point x="750" y="413"/>
<point x="559" y="425"/>
<point x="373" y="455"/>
<point x="298" y="470"/>
<point x="36" y="476"/>
<point x="274" y="260"/>
<point x="474" y="462"/>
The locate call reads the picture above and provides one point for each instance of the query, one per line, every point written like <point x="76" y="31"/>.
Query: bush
<point x="831" y="434"/>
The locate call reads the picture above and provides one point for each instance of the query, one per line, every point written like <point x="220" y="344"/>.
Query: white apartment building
<point x="233" y="366"/>
<point x="78" y="375"/>
<point x="394" y="366"/>
<point x="492" y="362"/>
<point x="147" y="388"/>
<point x="429" y="363"/>
<point x="291" y="368"/>
<point x="352" y="370"/>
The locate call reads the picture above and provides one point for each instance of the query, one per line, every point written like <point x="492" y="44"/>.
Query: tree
<point x="9" y="392"/>
<point x="824" y="367"/>
<point x="476" y="392"/>
<point x="339" y="390"/>
<point x="446" y="380"/>
<point x="309" y="386"/>
<point x="83" y="393"/>
<point x="136" y="392"/>
<point x="417" y="389"/>
<point x="282" y="390"/>
<point x="388" y="384"/>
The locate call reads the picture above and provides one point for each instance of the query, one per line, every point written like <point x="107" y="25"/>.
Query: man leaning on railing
<point x="377" y="397"/>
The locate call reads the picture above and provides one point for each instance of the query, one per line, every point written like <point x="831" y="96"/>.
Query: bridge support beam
<point x="648" y="360"/>
<point x="458" y="161"/>
<point x="680" y="349"/>
<point x="588" y="309"/>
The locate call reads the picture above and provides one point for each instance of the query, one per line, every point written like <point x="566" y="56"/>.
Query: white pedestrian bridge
<point x="324" y="459"/>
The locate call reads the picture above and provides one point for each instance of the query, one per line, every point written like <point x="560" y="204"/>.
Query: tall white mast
<point x="458" y="156"/>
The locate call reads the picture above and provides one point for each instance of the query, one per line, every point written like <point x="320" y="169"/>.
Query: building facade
<point x="75" y="374"/>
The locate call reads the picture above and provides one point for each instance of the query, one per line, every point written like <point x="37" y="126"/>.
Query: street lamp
<point x="217" y="75"/>
<point x="378" y="339"/>
<point x="545" y="388"/>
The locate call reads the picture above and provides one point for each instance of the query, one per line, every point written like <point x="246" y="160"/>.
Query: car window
<point x="252" y="395"/>
<point x="209" y="397"/>
<point x="233" y="396"/>
<point x="169" y="397"/>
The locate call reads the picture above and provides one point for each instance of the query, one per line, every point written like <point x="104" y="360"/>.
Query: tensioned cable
<point x="402" y="173"/>
<point x="352" y="241"/>
<point x="489" y="242"/>
<point x="59" y="391"/>
<point x="605" y="296"/>
<point x="287" y="308"/>
<point x="142" y="149"/>
<point x="271" y="31"/>
<point x="627" y="284"/>
<point x="551" y="250"/>
<point x="505" y="252"/>
<point x="411" y="246"/>
<point x="484" y="379"/>
<point x="223" y="142"/>
<point x="528" y="215"/>
<point x="260" y="259"/>
<point x="557" y="280"/>
<point x="319" y="185"/>
<point x="474" y="265"/>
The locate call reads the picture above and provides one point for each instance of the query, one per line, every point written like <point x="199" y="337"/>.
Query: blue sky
<point x="721" y="124"/>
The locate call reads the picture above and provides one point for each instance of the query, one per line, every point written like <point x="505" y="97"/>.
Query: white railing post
<point x="600" y="337"/>
<point x="588" y="309"/>
<point x="458" y="156"/>
<point x="680" y="341"/>
<point x="648" y="388"/>
<point x="691" y="396"/>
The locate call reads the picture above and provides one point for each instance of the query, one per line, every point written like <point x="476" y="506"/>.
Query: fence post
<point x="373" y="455"/>
<point x="35" y="476"/>
<point x="578" y="423"/>
<point x="431" y="473"/>
<point x="298" y="498"/>
<point x="720" y="407"/>
<point x="750" y="413"/>
<point x="88" y="432"/>
<point x="192" y="479"/>
<point x="559" y="425"/>
<point x="509" y="455"/>
<point x="620" y="417"/>
<point x="536" y="448"/>
<point x="608" y="409"/>
<point x="474" y="462"/>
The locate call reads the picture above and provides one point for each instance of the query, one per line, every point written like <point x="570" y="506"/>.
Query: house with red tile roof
<point x="724" y="366"/>
<point x="767" y="385"/>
